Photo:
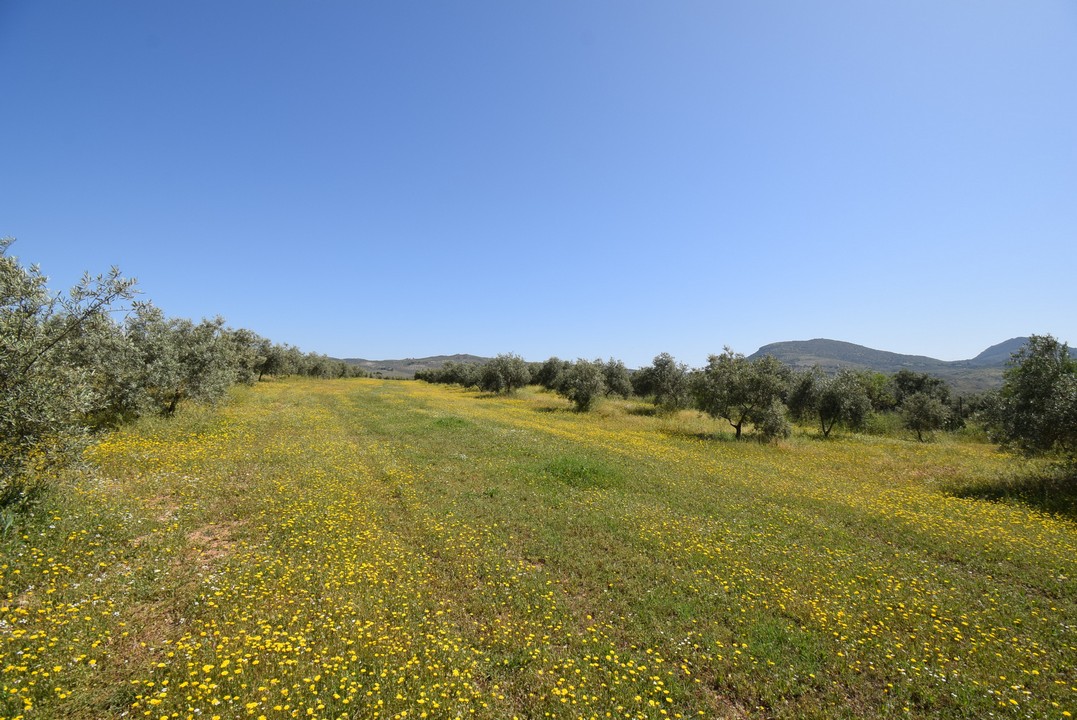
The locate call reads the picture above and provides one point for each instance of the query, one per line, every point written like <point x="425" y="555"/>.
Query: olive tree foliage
<point x="880" y="390"/>
<point x="583" y="383"/>
<point x="617" y="379"/>
<point x="45" y="397"/>
<point x="843" y="400"/>
<point x="923" y="412"/>
<point x="506" y="373"/>
<point x="452" y="373"/>
<point x="906" y="383"/>
<point x="830" y="400"/>
<point x="150" y="363"/>
<point x="468" y="375"/>
<point x="550" y="372"/>
<point x="116" y="372"/>
<point x="925" y="403"/>
<point x="772" y="422"/>
<point x="665" y="380"/>
<point x="248" y="353"/>
<point x="802" y="394"/>
<point x="177" y="360"/>
<point x="465" y="374"/>
<point x="68" y="367"/>
<point x="278" y="360"/>
<point x="321" y="366"/>
<point x="311" y="365"/>
<point x="1035" y="411"/>
<point x="741" y="390"/>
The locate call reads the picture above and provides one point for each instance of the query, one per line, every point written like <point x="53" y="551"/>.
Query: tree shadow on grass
<point x="1053" y="491"/>
<point x="708" y="436"/>
<point x="674" y="432"/>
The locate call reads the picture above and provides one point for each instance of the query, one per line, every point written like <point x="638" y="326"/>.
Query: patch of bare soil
<point x="215" y="541"/>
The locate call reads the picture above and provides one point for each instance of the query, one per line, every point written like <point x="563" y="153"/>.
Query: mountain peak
<point x="976" y="375"/>
<point x="999" y="354"/>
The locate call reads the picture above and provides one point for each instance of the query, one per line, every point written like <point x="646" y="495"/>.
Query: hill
<point x="407" y="367"/>
<point x="998" y="355"/>
<point x="978" y="374"/>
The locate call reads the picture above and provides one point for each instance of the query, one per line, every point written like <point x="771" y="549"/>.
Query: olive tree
<point x="550" y="372"/>
<point x="46" y="395"/>
<point x="505" y="373"/>
<point x="583" y="383"/>
<point x="275" y="360"/>
<point x="616" y="378"/>
<point x="666" y="380"/>
<point x="923" y="412"/>
<point x="1036" y="408"/>
<point x="830" y="400"/>
<point x="906" y="383"/>
<point x="843" y="400"/>
<point x="741" y="390"/>
<point x="802" y="396"/>
<point x="247" y="351"/>
<point x="772" y="422"/>
<point x="467" y="375"/>
<point x="179" y="360"/>
<point x="880" y="389"/>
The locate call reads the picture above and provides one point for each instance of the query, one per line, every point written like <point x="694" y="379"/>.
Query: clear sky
<point x="572" y="178"/>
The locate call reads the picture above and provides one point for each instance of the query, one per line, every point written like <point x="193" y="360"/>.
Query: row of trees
<point x="582" y="381"/>
<point x="92" y="358"/>
<point x="761" y="394"/>
<point x="1035" y="410"/>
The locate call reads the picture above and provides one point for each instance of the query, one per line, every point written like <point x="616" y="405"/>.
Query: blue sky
<point x="402" y="179"/>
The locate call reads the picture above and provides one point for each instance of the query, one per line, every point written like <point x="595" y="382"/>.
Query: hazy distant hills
<point x="982" y="372"/>
<point x="407" y="367"/>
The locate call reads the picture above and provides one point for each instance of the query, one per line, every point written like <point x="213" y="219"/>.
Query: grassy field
<point x="370" y="549"/>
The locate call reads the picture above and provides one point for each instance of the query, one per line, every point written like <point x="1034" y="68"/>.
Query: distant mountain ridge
<point x="999" y="355"/>
<point x="407" y="367"/>
<point x="978" y="374"/>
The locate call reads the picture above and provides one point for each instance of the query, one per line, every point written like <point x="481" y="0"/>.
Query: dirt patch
<point x="723" y="706"/>
<point x="215" y="541"/>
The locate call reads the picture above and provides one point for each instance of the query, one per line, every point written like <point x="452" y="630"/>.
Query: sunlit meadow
<point x="373" y="549"/>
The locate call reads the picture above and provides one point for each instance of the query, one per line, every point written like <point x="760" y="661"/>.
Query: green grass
<point x="383" y="549"/>
<point x="580" y="471"/>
